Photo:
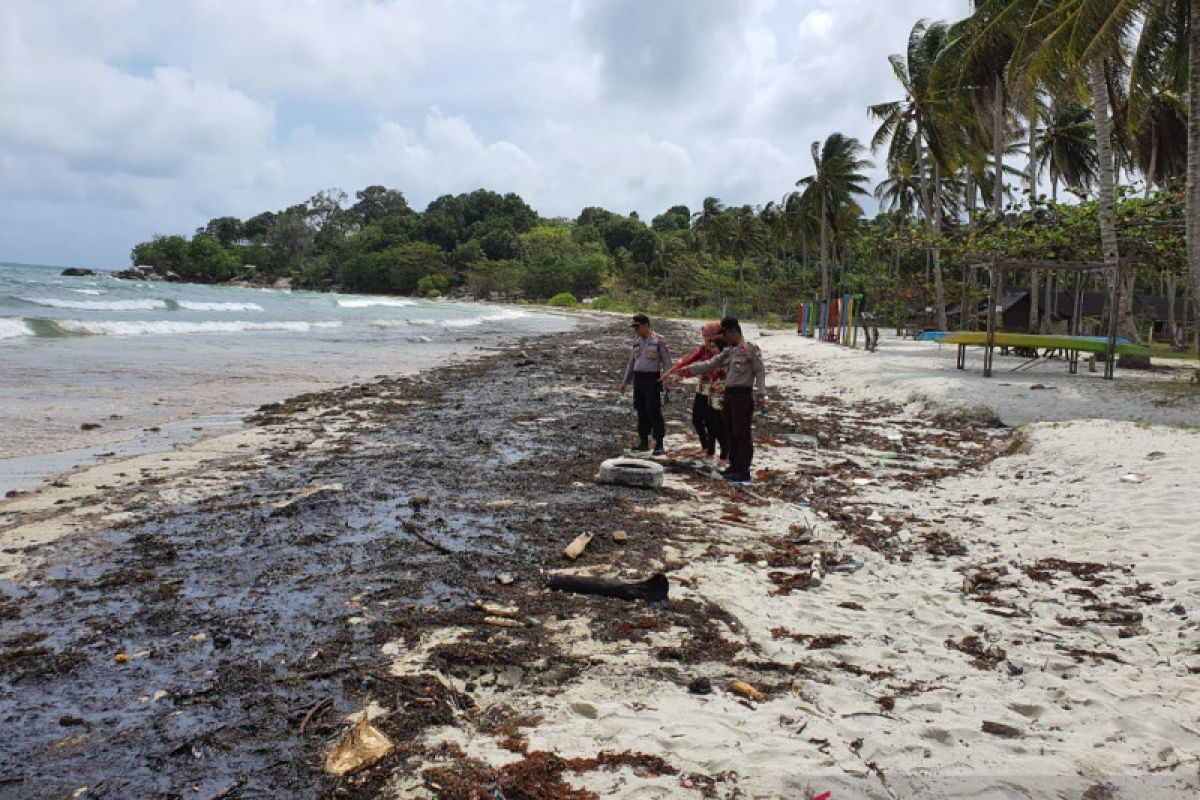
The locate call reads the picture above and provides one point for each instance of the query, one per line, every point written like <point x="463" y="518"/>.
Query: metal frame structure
<point x="996" y="266"/>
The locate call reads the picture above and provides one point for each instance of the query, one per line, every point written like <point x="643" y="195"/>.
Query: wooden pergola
<point x="996" y="266"/>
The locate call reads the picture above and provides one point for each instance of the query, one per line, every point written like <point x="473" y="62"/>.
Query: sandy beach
<point x="941" y="585"/>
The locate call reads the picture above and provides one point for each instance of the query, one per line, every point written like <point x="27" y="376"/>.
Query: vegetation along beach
<point x="345" y="498"/>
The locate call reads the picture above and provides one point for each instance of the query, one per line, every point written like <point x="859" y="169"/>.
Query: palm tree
<point x="920" y="124"/>
<point x="833" y="186"/>
<point x="712" y="226"/>
<point x="901" y="191"/>
<point x="746" y="236"/>
<point x="1159" y="136"/>
<point x="1067" y="147"/>
<point x="1091" y="39"/>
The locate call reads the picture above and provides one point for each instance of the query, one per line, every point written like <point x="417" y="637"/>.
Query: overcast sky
<point x="120" y="119"/>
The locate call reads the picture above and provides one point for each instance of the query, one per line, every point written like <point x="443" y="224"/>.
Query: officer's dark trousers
<point x="648" y="402"/>
<point x="739" y="411"/>
<point x="717" y="432"/>
<point x="700" y="417"/>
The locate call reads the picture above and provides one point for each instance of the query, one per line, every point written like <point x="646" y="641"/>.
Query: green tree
<point x="376" y="202"/>
<point x="226" y="230"/>
<point x="208" y="261"/>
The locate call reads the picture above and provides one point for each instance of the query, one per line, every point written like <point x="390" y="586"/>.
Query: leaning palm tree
<point x="1086" y="42"/>
<point x="837" y="180"/>
<point x="1066" y="147"/>
<point x="920" y="125"/>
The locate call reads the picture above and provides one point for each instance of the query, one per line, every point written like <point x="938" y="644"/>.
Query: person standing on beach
<point x="706" y="415"/>
<point x="745" y="385"/>
<point x="648" y="361"/>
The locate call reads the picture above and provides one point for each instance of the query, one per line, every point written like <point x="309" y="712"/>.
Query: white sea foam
<point x="467" y="322"/>
<point x="162" y="328"/>
<point x="88" y="291"/>
<point x="506" y="314"/>
<point x="98" y="305"/>
<point x="393" y="302"/>
<point x="14" y="328"/>
<point x="195" y="306"/>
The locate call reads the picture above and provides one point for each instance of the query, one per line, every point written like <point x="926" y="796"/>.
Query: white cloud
<point x="145" y="117"/>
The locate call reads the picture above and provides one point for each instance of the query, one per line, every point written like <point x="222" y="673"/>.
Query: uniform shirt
<point x="703" y="353"/>
<point x="743" y="366"/>
<point x="649" y="355"/>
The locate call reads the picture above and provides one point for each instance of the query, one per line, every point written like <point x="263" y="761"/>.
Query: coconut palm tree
<point x="1066" y="147"/>
<point x="746" y="236"/>
<point x="833" y="186"/>
<point x="712" y="226"/>
<point x="920" y="125"/>
<point x="1159" y="132"/>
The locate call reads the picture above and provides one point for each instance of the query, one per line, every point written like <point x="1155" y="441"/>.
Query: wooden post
<point x="993" y="280"/>
<point x="962" y="306"/>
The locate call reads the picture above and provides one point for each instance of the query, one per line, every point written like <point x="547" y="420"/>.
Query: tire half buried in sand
<point x="632" y="472"/>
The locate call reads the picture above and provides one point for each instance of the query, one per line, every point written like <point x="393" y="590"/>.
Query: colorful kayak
<point x="1087" y="344"/>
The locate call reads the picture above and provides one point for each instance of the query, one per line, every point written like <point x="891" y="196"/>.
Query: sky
<point x="123" y="119"/>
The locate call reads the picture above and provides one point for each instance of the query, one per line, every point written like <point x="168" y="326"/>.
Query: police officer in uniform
<point x="649" y="359"/>
<point x="745" y="383"/>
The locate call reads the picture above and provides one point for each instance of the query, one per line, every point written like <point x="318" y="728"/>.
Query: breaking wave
<point x="196" y="306"/>
<point x="98" y="305"/>
<point x="14" y="328"/>
<point x="375" y="301"/>
<point x="162" y="328"/>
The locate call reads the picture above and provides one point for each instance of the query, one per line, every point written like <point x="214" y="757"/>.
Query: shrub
<point x="603" y="303"/>
<point x="563" y="299"/>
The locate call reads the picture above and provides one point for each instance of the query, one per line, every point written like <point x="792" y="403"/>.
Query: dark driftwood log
<point x="652" y="590"/>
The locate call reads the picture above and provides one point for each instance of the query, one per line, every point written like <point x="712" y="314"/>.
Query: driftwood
<point x="652" y="590"/>
<point x="578" y="545"/>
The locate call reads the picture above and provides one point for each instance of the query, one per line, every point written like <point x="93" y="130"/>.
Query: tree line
<point x="1094" y="99"/>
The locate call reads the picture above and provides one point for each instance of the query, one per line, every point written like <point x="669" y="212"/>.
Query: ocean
<point x="191" y="359"/>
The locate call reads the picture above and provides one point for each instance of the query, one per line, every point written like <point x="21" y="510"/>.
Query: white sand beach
<point x="1087" y="682"/>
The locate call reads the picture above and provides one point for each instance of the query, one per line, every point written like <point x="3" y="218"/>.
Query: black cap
<point x="730" y="324"/>
<point x="639" y="319"/>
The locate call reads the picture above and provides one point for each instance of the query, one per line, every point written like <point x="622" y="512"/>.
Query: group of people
<point x="732" y="382"/>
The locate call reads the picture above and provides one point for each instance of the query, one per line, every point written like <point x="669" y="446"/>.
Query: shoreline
<point x="948" y="567"/>
<point x="112" y="419"/>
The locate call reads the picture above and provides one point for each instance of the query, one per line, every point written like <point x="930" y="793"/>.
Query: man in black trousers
<point x="745" y="385"/>
<point x="649" y="359"/>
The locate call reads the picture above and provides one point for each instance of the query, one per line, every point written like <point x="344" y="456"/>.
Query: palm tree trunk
<point x="1108" y="217"/>
<point x="1153" y="162"/>
<point x="1193" y="156"/>
<point x="1172" y="285"/>
<point x="998" y="146"/>
<point x="825" y="288"/>
<point x="1033" y="116"/>
<point x="1034" y="299"/>
<point x="1048" y="311"/>
<point x="972" y="195"/>
<point x="939" y="290"/>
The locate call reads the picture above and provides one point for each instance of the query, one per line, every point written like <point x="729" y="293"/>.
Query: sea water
<point x="131" y="355"/>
